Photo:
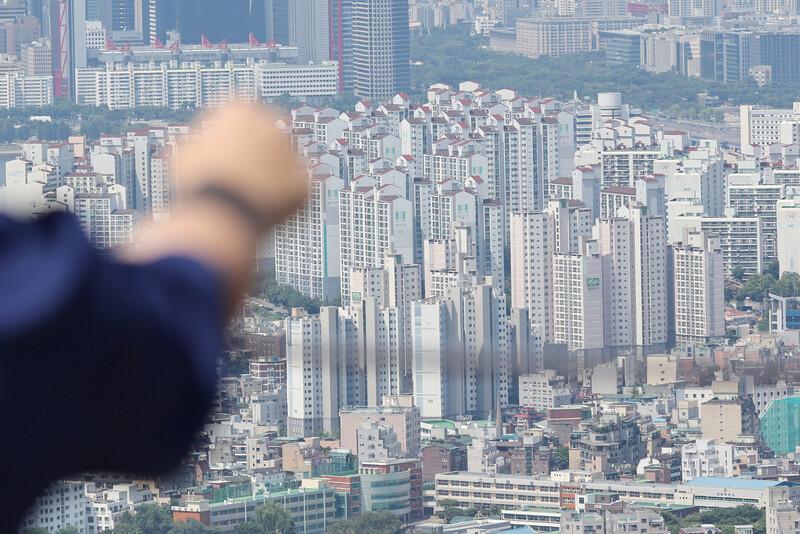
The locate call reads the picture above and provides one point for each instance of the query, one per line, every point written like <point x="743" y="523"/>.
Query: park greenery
<point x="282" y="295"/>
<point x="270" y="518"/>
<point x="724" y="518"/>
<point x="155" y="518"/>
<point x="39" y="530"/>
<point x="453" y="55"/>
<point x="759" y="286"/>
<point x="561" y="454"/>
<point x="450" y="509"/>
<point x="383" y="522"/>
<point x="67" y="118"/>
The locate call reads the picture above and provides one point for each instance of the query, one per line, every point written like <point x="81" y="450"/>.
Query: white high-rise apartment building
<point x="382" y="347"/>
<point x="60" y="506"/>
<point x="634" y="274"/>
<point x="523" y="177"/>
<point x="702" y="172"/>
<point x="578" y="314"/>
<point x="759" y="200"/>
<point x="532" y="245"/>
<point x="763" y="126"/>
<point x="694" y="8"/>
<point x="307" y="242"/>
<point x="323" y="371"/>
<point x="740" y="238"/>
<point x="624" y="166"/>
<point x="374" y="221"/>
<point x="535" y="237"/>
<point x="461" y="352"/>
<point x="103" y="217"/>
<point x="788" y="234"/>
<point x="396" y="284"/>
<point x="18" y="90"/>
<point x="456" y="160"/>
<point x="699" y="288"/>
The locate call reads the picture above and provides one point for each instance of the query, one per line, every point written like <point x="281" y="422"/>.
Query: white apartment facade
<point x="19" y="91"/>
<point x="461" y="350"/>
<point x="699" y="300"/>
<point x="202" y="86"/>
<point x="60" y="506"/>
<point x="307" y="242"/>
<point x="578" y="314"/>
<point x="322" y="371"/>
<point x="373" y="221"/>
<point x="543" y="391"/>
<point x="788" y="235"/>
<point x="763" y="126"/>
<point x="706" y="458"/>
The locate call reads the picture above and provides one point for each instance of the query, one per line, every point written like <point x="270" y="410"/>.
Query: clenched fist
<point x="242" y="151"/>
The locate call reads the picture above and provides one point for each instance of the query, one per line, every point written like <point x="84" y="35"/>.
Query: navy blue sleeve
<point x="103" y="365"/>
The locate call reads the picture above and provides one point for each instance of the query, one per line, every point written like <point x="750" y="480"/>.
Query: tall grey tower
<point x="380" y="48"/>
<point x="309" y="30"/>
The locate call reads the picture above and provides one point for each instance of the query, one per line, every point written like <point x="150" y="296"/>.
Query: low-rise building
<point x="638" y="521"/>
<point x="727" y="419"/>
<point x="706" y="458"/>
<point x="397" y="412"/>
<point x="311" y="508"/>
<point x="442" y="458"/>
<point x="543" y="390"/>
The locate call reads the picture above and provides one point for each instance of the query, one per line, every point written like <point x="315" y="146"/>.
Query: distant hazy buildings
<point x="18" y="90"/>
<point x="201" y="87"/>
<point x="728" y="56"/>
<point x="566" y="35"/>
<point x="309" y="29"/>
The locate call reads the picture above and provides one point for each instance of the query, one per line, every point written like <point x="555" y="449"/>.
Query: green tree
<point x="562" y="457"/>
<point x="737" y="273"/>
<point x="788" y="285"/>
<point x="453" y="55"/>
<point x="68" y="530"/>
<point x="274" y="519"/>
<point x="772" y="268"/>
<point x="35" y="530"/>
<point x="248" y="528"/>
<point x="383" y="522"/>
<point x="757" y="287"/>
<point x="285" y="102"/>
<point x="724" y="518"/>
<point x="148" y="518"/>
<point x="192" y="526"/>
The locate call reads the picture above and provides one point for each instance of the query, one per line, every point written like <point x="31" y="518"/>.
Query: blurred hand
<point x="242" y="150"/>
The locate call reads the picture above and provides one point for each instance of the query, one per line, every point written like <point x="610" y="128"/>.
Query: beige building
<point x="661" y="369"/>
<point x="396" y="412"/>
<point x="727" y="419"/>
<point x="36" y="59"/>
<point x="300" y="457"/>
